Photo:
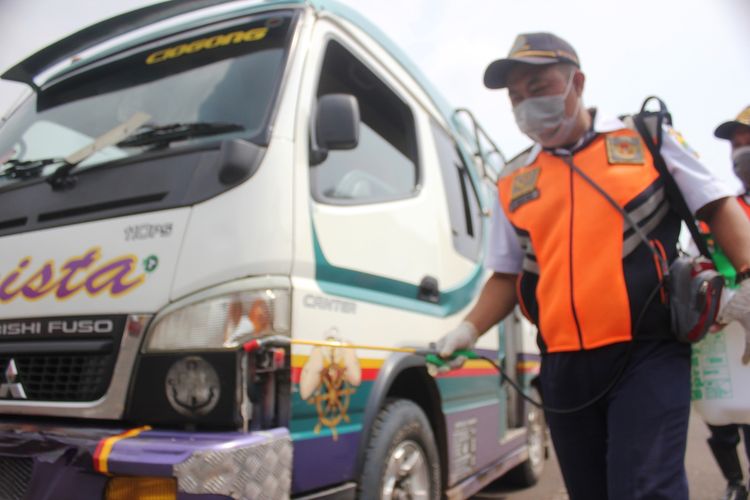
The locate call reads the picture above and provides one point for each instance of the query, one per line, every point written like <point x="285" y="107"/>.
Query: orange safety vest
<point x="587" y="277"/>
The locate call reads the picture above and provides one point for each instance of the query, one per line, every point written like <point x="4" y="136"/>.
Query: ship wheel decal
<point x="328" y="380"/>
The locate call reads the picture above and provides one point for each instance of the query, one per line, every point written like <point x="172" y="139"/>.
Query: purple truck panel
<point x="320" y="462"/>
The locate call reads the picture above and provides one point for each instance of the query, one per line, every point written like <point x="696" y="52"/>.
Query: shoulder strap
<point x="649" y="126"/>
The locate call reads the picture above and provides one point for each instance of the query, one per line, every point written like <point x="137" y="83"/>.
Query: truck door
<point x="379" y="221"/>
<point x="374" y="224"/>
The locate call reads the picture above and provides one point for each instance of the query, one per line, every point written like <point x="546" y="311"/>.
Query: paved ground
<point x="706" y="482"/>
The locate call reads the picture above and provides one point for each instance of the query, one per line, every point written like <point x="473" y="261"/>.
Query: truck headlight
<point x="220" y="322"/>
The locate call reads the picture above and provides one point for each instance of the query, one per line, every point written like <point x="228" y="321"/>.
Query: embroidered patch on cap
<point x="523" y="189"/>
<point x="628" y="150"/>
<point x="744" y="116"/>
<point x="519" y="45"/>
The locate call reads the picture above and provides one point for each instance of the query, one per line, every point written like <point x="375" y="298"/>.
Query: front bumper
<point x="72" y="462"/>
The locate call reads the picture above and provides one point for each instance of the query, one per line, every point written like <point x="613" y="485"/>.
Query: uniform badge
<point x="628" y="150"/>
<point x="523" y="189"/>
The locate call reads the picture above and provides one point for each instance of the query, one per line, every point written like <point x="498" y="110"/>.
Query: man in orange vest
<point x="562" y="251"/>
<point x="725" y="438"/>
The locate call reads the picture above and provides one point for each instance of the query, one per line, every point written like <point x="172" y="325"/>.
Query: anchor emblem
<point x="328" y="381"/>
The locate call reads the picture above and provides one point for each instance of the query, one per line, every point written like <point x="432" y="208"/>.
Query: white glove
<point x="462" y="337"/>
<point x="735" y="306"/>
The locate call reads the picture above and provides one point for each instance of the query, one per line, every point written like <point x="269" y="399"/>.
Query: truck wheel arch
<point x="405" y="376"/>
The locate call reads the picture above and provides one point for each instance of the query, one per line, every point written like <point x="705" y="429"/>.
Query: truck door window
<point x="463" y="206"/>
<point x="383" y="166"/>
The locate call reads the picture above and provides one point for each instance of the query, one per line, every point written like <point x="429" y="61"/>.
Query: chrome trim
<point x="246" y="406"/>
<point x="339" y="492"/>
<point x="109" y="406"/>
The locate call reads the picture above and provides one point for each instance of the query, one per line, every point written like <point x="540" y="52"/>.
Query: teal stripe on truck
<point x="388" y="292"/>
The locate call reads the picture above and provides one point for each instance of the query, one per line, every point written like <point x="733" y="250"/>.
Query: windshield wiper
<point x="27" y="169"/>
<point x="159" y="136"/>
<point x="60" y="177"/>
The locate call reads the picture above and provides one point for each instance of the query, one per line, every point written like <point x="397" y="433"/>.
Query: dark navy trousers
<point x="728" y="436"/>
<point x="723" y="441"/>
<point x="631" y="444"/>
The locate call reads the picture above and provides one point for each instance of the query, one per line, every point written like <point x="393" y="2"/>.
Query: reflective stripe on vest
<point x="586" y="273"/>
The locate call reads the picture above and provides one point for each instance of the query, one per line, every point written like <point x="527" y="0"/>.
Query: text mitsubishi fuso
<point x="229" y="232"/>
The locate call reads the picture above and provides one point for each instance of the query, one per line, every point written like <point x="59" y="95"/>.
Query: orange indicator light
<point x="259" y="316"/>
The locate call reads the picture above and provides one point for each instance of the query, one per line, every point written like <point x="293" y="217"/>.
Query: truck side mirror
<point x="335" y="126"/>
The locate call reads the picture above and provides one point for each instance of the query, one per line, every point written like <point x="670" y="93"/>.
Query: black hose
<point x="598" y="397"/>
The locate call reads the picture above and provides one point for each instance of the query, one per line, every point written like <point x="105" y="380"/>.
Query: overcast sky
<point x="695" y="54"/>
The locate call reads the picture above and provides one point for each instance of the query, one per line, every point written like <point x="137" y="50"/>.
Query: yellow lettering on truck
<point x="233" y="38"/>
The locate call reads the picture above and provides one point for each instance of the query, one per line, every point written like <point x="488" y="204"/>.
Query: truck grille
<point x="62" y="377"/>
<point x="15" y="477"/>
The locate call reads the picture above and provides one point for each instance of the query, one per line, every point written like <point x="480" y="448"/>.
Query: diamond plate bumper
<point x="256" y="465"/>
<point x="260" y="471"/>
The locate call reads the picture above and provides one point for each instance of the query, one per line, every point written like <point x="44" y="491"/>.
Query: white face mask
<point x="741" y="162"/>
<point x="543" y="118"/>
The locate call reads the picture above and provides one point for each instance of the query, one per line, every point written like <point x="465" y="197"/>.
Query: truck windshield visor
<point x="208" y="84"/>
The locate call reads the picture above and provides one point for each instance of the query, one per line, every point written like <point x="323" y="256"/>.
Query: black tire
<point x="401" y="426"/>
<point x="528" y="473"/>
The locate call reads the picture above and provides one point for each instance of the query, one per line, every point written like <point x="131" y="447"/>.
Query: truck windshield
<point x="208" y="84"/>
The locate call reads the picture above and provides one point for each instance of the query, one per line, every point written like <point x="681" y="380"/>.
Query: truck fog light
<point x="133" y="488"/>
<point x="192" y="386"/>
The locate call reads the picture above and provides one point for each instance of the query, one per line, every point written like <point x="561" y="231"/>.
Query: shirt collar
<point x="605" y="124"/>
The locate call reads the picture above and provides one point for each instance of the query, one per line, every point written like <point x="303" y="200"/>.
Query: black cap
<point x="726" y="129"/>
<point x="530" y="48"/>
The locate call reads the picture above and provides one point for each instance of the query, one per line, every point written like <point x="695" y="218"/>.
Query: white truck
<point x="223" y="225"/>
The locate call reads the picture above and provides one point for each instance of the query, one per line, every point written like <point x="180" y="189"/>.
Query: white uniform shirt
<point x="697" y="184"/>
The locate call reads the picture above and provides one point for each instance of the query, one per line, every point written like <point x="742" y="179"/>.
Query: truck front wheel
<point x="401" y="461"/>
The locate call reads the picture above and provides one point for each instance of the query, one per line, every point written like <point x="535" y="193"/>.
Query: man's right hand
<point x="460" y="338"/>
